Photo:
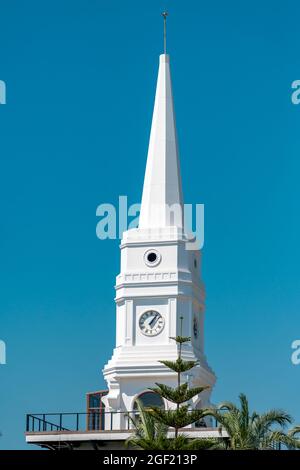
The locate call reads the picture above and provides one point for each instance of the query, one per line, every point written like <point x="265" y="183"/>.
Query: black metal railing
<point x="92" y="421"/>
<point x="39" y="423"/>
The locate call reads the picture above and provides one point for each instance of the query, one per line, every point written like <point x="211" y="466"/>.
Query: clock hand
<point x="153" y="320"/>
<point x="147" y="321"/>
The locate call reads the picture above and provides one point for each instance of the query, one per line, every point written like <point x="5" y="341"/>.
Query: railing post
<point x="77" y="422"/>
<point x="27" y="423"/>
<point x="60" y="421"/>
<point x="111" y="420"/>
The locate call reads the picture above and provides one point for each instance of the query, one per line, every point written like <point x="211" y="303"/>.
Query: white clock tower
<point x="159" y="280"/>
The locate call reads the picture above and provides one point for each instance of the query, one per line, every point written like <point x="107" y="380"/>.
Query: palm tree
<point x="292" y="433"/>
<point x="251" y="431"/>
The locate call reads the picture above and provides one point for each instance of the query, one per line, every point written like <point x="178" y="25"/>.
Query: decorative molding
<point x="155" y="276"/>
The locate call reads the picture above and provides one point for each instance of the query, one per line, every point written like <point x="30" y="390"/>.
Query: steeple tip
<point x="162" y="191"/>
<point x="164" y="15"/>
<point x="164" y="58"/>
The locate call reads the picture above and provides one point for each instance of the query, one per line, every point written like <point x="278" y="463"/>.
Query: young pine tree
<point x="180" y="395"/>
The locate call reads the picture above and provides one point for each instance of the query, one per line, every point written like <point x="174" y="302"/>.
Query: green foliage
<point x="183" y="442"/>
<point x="179" y="365"/>
<point x="178" y="418"/>
<point x="149" y="433"/>
<point x="202" y="444"/>
<point x="152" y="425"/>
<point x="295" y="430"/>
<point x="180" y="394"/>
<point x="293" y="435"/>
<point x="251" y="431"/>
<point x="245" y="430"/>
<point x="181" y="339"/>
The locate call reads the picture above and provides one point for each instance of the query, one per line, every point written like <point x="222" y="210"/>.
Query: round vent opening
<point x="152" y="258"/>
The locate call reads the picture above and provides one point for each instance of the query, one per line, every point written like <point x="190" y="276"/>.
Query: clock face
<point x="151" y="323"/>
<point x="195" y="327"/>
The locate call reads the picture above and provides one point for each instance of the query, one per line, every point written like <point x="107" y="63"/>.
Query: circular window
<point x="152" y="258"/>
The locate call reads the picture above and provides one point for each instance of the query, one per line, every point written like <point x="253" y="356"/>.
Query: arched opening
<point x="148" y="400"/>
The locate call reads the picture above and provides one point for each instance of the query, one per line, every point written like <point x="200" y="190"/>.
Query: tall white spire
<point x="162" y="203"/>
<point x="159" y="280"/>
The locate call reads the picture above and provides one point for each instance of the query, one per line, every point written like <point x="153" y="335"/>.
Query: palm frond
<point x="149" y="434"/>
<point x="295" y="430"/>
<point x="253" y="431"/>
<point x="268" y="419"/>
<point x="280" y="437"/>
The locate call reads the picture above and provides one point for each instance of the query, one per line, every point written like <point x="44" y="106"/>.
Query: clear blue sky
<point x="74" y="133"/>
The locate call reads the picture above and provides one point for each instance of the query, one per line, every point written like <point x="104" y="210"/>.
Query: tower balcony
<point x="96" y="430"/>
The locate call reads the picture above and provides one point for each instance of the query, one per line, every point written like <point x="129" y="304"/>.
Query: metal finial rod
<point x="165" y="14"/>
